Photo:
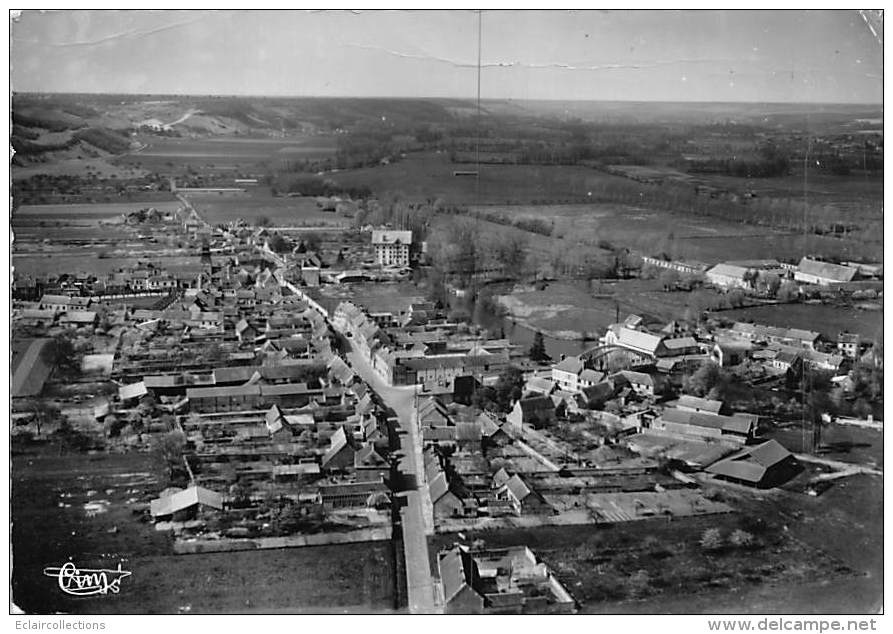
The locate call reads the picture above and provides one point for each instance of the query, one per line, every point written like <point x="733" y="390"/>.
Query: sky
<point x="648" y="55"/>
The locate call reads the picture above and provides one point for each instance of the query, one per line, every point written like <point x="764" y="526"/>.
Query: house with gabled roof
<point x="433" y="413"/>
<point x="523" y="497"/>
<point x="444" y="498"/>
<point x="341" y="452"/>
<point x="566" y="372"/>
<point x="369" y="464"/>
<point x="185" y="504"/>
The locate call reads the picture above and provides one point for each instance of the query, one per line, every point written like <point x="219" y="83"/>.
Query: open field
<point x="49" y="493"/>
<point x="423" y="176"/>
<point x="280" y="211"/>
<point x="648" y="565"/>
<point x="828" y="320"/>
<point x="568" y="308"/>
<point x="164" y="155"/>
<point x="846" y="443"/>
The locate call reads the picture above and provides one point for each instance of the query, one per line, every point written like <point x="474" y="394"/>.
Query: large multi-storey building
<point x="392" y="247"/>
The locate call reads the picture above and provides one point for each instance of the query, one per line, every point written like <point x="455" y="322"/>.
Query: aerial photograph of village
<point x="457" y="312"/>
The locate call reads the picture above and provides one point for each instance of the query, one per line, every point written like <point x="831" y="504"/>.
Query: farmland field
<point x="49" y="494"/>
<point x="82" y="213"/>
<point x="280" y="211"/>
<point x="226" y="152"/>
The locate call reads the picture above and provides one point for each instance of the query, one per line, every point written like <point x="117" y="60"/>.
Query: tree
<point x="708" y="380"/>
<point x="312" y="240"/>
<point x="669" y="278"/>
<point x="65" y="355"/>
<point x="770" y="282"/>
<point x="736" y="297"/>
<point x="711" y="539"/>
<point x="263" y="221"/>
<point x="510" y="253"/>
<point x="169" y="450"/>
<point x="741" y="538"/>
<point x="538" y="349"/>
<point x="787" y="292"/>
<point x="279" y="243"/>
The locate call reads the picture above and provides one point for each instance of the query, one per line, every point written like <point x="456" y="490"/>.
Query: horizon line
<point x="434" y="98"/>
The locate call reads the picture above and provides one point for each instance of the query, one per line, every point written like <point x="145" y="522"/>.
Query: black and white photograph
<point x="447" y="312"/>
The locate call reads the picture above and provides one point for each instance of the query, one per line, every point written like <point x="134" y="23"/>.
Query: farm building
<point x="763" y="466"/>
<point x="697" y="404"/>
<point x="682" y="422"/>
<point x="185" y="504"/>
<point x="823" y="273"/>
<point x="729" y="276"/>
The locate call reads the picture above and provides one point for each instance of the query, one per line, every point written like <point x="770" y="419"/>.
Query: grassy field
<point x="647" y="565"/>
<point x="50" y="524"/>
<point x="280" y="211"/>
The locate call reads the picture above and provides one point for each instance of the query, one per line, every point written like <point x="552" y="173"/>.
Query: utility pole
<point x="477" y="145"/>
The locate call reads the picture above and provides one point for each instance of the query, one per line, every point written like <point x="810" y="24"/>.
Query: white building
<point x="392" y="247"/>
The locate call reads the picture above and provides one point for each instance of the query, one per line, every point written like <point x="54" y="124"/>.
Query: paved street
<point x="416" y="516"/>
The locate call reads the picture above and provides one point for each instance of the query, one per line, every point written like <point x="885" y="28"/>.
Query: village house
<point x="566" y="373"/>
<point x="729" y="352"/>
<point x="640" y="382"/>
<point x="524" y="499"/>
<point x="538" y="411"/>
<point x="509" y="581"/>
<point x="63" y="303"/>
<point x="848" y="344"/>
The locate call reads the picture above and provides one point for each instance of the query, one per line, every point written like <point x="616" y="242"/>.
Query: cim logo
<point x="85" y="582"/>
